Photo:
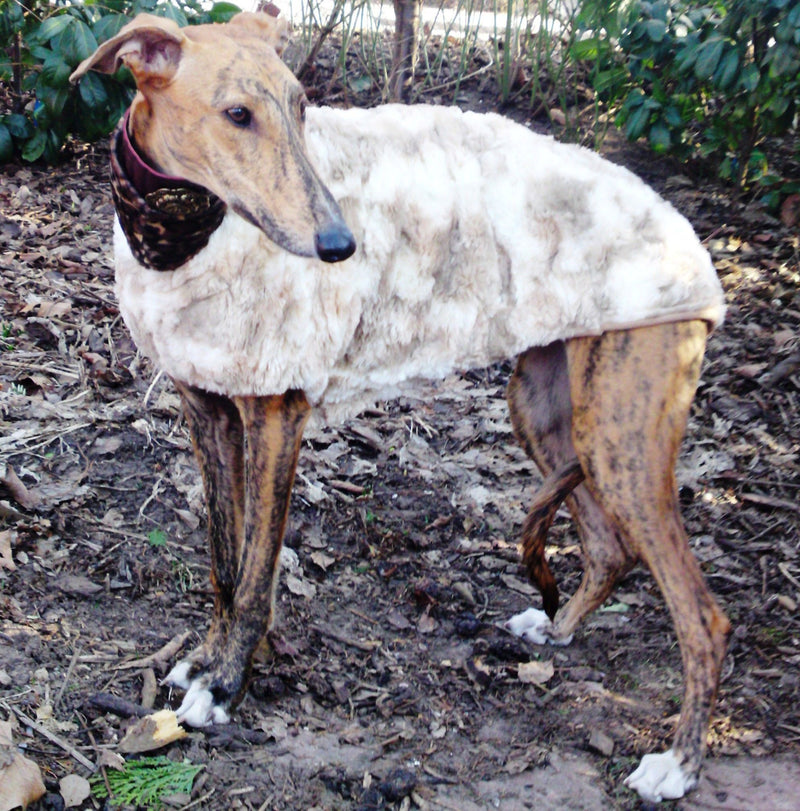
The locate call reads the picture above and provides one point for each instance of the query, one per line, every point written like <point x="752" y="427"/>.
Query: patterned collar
<point x="166" y="220"/>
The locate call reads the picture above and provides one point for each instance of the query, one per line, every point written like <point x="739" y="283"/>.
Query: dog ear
<point x="265" y="25"/>
<point x="149" y="46"/>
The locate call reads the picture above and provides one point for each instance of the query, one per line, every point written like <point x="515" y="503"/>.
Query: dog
<point x="272" y="257"/>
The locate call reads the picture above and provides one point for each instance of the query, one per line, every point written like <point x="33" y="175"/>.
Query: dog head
<point x="217" y="106"/>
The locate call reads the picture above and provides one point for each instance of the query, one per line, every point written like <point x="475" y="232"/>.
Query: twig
<point x="150" y="388"/>
<point x="160" y="656"/>
<point x="65" y="681"/>
<point x="784" y="570"/>
<point x="769" y="501"/>
<point x="45" y="733"/>
<point x="106" y="702"/>
<point x="346" y="640"/>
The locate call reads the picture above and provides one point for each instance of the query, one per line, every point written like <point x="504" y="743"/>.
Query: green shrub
<point x="42" y="42"/>
<point x="709" y="79"/>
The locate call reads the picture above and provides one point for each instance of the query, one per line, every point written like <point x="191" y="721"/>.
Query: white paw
<point x="535" y="626"/>
<point x="198" y="708"/>
<point x="179" y="675"/>
<point x="660" y="777"/>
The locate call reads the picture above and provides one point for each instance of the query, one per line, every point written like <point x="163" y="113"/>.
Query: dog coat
<point x="477" y="239"/>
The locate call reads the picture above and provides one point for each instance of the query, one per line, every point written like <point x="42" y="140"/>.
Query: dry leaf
<point x="20" y="778"/>
<point x="74" y="789"/>
<point x="300" y="587"/>
<point x="6" y="559"/>
<point x="275" y="727"/>
<point x="19" y="492"/>
<point x="152" y="732"/>
<point x="322" y="560"/>
<point x="426" y="624"/>
<point x="77" y="584"/>
<point x="535" y="672"/>
<point x="111" y="760"/>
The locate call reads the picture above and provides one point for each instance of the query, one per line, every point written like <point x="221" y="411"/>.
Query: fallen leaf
<point x="275" y="727"/>
<point x="111" y="760"/>
<point x="322" y="560"/>
<point x="74" y="789"/>
<point x="601" y="743"/>
<point x="152" y="732"/>
<point x="6" y="559"/>
<point x="535" y="672"/>
<point x="19" y="492"/>
<point x="20" y="778"/>
<point x="300" y="587"/>
<point x="426" y="624"/>
<point x="77" y="584"/>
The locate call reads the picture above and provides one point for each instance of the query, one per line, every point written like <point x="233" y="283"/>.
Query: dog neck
<point x="166" y="220"/>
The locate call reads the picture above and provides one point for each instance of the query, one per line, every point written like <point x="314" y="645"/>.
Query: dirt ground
<point x="391" y="683"/>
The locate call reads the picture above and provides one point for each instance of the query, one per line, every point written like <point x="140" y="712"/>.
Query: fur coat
<point x="476" y="240"/>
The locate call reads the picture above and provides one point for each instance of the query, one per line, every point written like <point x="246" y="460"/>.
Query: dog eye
<point x="240" y="116"/>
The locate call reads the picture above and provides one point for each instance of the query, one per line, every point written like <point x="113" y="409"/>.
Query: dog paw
<point x="179" y="676"/>
<point x="661" y="777"/>
<point x="536" y="627"/>
<point x="199" y="708"/>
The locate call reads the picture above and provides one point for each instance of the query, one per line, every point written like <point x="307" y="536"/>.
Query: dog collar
<point x="166" y="220"/>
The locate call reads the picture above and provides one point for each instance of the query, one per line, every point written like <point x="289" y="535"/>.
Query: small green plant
<point x="144" y="783"/>
<point x="157" y="537"/>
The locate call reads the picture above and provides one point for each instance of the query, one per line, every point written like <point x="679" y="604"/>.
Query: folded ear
<point x="265" y="25"/>
<point x="150" y="46"/>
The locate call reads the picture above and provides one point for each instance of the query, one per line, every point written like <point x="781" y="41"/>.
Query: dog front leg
<point x="217" y="435"/>
<point x="272" y="430"/>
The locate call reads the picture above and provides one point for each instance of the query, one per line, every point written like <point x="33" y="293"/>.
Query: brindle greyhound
<point x="601" y="415"/>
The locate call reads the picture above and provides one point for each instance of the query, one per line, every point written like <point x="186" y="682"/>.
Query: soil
<point x="391" y="682"/>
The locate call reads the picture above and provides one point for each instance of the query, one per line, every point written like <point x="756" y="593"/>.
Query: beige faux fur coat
<point x="476" y="240"/>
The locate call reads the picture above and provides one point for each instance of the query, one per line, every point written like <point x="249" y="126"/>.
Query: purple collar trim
<point x="142" y="175"/>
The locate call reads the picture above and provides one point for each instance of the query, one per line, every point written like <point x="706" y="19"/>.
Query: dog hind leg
<point x="631" y="392"/>
<point x="541" y="414"/>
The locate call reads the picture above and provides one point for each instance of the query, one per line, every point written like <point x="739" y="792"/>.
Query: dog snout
<point x="334" y="242"/>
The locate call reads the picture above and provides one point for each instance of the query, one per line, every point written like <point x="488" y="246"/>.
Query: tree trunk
<point x="406" y="43"/>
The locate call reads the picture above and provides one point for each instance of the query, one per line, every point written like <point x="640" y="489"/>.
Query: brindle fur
<point x="618" y="403"/>
<point x="247" y="449"/>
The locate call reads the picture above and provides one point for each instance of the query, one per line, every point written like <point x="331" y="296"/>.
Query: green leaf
<point x="50" y="28"/>
<point x="727" y="70"/>
<point x="749" y="78"/>
<point x="636" y="122"/>
<point x="222" y="12"/>
<point x="84" y="42"/>
<point x="93" y="92"/>
<point x="588" y="48"/>
<point x="656" y="30"/>
<point x="109" y="26"/>
<point x="55" y="71"/>
<point x="613" y="80"/>
<point x="19" y="126"/>
<point x="172" y="12"/>
<point x="659" y="137"/>
<point x="709" y="54"/>
<point x="6" y="144"/>
<point x="54" y="99"/>
<point x="35" y="146"/>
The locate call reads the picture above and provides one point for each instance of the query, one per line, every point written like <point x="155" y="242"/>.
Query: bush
<point x="709" y="79"/>
<point x="42" y="42"/>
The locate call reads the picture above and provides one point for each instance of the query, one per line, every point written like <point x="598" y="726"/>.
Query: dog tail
<point x="556" y="487"/>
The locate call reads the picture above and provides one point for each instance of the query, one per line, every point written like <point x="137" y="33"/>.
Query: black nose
<point x="335" y="243"/>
